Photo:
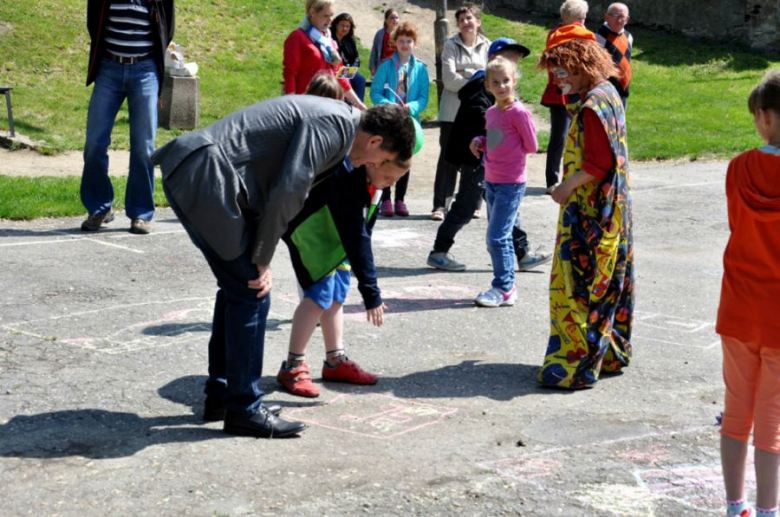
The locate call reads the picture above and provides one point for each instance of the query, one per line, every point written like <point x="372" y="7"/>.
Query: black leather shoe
<point x="261" y="424"/>
<point x="214" y="410"/>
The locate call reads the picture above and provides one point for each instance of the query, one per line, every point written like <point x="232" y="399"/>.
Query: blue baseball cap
<point x="507" y="44"/>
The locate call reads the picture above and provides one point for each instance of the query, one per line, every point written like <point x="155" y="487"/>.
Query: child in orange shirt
<point x="747" y="316"/>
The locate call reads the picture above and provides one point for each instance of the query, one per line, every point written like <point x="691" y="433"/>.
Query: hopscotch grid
<point x="447" y="412"/>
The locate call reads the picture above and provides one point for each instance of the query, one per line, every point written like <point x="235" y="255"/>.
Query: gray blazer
<point x="255" y="166"/>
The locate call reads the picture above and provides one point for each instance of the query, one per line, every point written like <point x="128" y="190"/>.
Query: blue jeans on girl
<point x="503" y="200"/>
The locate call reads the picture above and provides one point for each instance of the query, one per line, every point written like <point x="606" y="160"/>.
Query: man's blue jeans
<point x="137" y="83"/>
<point x="503" y="200"/>
<point x="238" y="327"/>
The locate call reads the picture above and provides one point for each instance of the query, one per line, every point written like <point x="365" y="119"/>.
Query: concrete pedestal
<point x="181" y="103"/>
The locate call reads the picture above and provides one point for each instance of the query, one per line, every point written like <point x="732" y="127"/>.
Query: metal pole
<point x="440" y="29"/>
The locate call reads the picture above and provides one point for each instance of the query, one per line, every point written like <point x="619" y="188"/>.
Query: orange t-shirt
<point x="750" y="294"/>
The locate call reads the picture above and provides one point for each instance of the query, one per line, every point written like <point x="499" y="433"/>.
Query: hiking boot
<point x="93" y="222"/>
<point x="386" y="208"/>
<point x="140" y="226"/>
<point x="400" y="209"/>
<point x="496" y="298"/>
<point x="297" y="380"/>
<point x="444" y="261"/>
<point x="533" y="259"/>
<point x="347" y="371"/>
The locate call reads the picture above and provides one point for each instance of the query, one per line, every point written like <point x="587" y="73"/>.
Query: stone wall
<point x="752" y="22"/>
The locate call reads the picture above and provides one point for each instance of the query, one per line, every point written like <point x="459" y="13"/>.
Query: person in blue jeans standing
<point x="128" y="42"/>
<point x="510" y="137"/>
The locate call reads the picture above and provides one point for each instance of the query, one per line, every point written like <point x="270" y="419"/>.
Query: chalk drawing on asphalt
<point x="373" y="415"/>
<point x="403" y="237"/>
<point x="124" y="328"/>
<point x="617" y="499"/>
<point x="529" y="471"/>
<point x="674" y="330"/>
<point x="699" y="487"/>
<point x="407" y="296"/>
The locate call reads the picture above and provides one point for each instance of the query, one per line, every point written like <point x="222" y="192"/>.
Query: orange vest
<point x="620" y="49"/>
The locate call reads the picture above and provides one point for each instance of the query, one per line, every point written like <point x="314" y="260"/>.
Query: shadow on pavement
<point x="496" y="381"/>
<point x="95" y="433"/>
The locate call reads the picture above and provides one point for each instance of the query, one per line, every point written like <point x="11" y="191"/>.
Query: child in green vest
<point x="329" y="239"/>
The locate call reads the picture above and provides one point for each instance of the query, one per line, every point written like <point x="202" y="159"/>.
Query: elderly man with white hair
<point x="619" y="42"/>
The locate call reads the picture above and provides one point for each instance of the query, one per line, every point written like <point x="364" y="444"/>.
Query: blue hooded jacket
<point x="416" y="87"/>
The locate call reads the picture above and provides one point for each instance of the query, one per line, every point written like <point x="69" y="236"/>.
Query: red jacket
<point x="303" y="59"/>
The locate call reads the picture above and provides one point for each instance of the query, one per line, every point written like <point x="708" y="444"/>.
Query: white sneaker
<point x="549" y="190"/>
<point x="496" y="298"/>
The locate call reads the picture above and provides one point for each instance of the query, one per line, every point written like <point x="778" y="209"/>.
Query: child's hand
<point x="474" y="148"/>
<point x="376" y="315"/>
<point x="562" y="192"/>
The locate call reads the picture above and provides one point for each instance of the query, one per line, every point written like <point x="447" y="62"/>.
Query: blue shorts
<point x="332" y="288"/>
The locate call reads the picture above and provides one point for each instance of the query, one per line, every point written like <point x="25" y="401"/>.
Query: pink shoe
<point x="400" y="209"/>
<point x="386" y="208"/>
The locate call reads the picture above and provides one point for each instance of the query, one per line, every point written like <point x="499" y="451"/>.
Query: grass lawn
<point x="31" y="198"/>
<point x="688" y="99"/>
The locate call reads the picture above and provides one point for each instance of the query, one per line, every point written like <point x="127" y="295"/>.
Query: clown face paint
<point x="569" y="82"/>
<point x="559" y="78"/>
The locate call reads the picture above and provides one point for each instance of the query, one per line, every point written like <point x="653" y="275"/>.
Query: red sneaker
<point x="297" y="381"/>
<point x="347" y="371"/>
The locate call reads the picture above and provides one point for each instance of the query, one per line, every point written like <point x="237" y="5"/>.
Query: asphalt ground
<point x="103" y="346"/>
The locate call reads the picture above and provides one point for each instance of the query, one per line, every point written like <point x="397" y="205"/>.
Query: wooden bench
<point x="7" y="92"/>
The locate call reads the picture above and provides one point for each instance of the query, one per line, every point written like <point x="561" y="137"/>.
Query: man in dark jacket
<point x="470" y="123"/>
<point x="126" y="59"/>
<point x="235" y="186"/>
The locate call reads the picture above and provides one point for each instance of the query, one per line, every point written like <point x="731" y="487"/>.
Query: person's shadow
<point x="100" y="434"/>
<point x="469" y="379"/>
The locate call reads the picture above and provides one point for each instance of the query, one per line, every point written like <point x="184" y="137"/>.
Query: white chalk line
<point x="71" y="240"/>
<point x="153" y="234"/>
<point x="113" y="308"/>
<point x="620" y="440"/>
<point x="684" y="185"/>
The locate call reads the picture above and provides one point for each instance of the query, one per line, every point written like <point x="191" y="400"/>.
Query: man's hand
<point x="263" y="281"/>
<point x="376" y="315"/>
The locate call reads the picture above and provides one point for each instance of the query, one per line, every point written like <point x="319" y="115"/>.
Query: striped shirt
<point x="129" y="31"/>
